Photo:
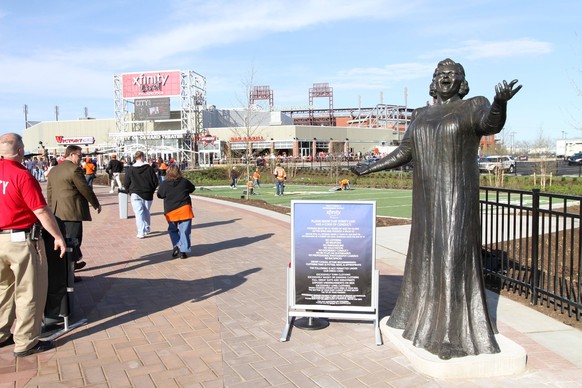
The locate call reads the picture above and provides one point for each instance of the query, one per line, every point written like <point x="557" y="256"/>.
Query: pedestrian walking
<point x="141" y="182"/>
<point x="175" y="191"/>
<point x="280" y="177"/>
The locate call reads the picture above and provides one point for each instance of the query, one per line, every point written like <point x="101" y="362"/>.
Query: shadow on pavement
<point x="116" y="301"/>
<point x="215" y="223"/>
<point x="203" y="249"/>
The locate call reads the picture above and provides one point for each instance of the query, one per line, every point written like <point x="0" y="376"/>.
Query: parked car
<point x="575" y="159"/>
<point x="495" y="163"/>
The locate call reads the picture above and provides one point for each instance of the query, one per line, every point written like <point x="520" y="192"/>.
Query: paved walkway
<point x="215" y="319"/>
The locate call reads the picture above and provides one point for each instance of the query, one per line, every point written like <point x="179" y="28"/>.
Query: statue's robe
<point x="441" y="306"/>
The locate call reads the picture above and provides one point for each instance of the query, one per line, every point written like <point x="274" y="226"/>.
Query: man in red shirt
<point x="23" y="272"/>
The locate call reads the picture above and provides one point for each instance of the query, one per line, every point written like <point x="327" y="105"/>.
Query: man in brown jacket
<point x="69" y="197"/>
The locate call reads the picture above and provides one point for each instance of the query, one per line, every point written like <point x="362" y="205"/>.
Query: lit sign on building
<point x="75" y="140"/>
<point x="235" y="139"/>
<point x="152" y="108"/>
<point x="153" y="84"/>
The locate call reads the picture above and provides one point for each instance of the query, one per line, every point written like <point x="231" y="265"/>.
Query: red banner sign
<point x="244" y="138"/>
<point x="75" y="140"/>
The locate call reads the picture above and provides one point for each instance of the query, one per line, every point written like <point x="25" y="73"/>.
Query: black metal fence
<point x="531" y="245"/>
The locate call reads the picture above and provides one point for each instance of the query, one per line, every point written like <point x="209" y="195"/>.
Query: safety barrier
<point x="531" y="245"/>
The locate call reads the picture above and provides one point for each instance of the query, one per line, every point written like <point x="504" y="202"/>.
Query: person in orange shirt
<point x="89" y="168"/>
<point x="345" y="184"/>
<point x="162" y="168"/>
<point x="256" y="177"/>
<point x="280" y="177"/>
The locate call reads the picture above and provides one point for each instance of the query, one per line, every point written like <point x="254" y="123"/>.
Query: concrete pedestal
<point x="511" y="360"/>
<point x="123" y="200"/>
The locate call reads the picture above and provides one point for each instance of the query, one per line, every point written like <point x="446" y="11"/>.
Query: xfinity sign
<point x="151" y="84"/>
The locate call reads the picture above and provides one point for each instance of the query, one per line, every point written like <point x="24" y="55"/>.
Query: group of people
<point x="24" y="281"/>
<point x="254" y="181"/>
<point x="37" y="167"/>
<point x="142" y="179"/>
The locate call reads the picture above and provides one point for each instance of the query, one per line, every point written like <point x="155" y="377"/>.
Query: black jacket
<point x="114" y="165"/>
<point x="175" y="194"/>
<point x="141" y="180"/>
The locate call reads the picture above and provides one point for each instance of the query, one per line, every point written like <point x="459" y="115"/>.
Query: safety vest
<point x="280" y="173"/>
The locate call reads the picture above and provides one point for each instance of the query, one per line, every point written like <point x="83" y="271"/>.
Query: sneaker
<point x="138" y="236"/>
<point x="111" y="191"/>
<point x="7" y="342"/>
<point x="175" y="251"/>
<point x="184" y="255"/>
<point x="41" y="346"/>
<point x="80" y="265"/>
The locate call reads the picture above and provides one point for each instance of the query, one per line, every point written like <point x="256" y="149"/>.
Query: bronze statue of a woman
<point x="441" y="306"/>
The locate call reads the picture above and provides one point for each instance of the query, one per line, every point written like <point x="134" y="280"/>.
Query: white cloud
<point x="477" y="49"/>
<point x="199" y="25"/>
<point x="381" y="77"/>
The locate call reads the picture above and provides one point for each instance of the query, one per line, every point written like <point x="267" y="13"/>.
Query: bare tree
<point x="544" y="166"/>
<point x="251" y="123"/>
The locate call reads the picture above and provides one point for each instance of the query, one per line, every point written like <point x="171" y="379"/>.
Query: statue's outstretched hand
<point x="359" y="170"/>
<point x="505" y="91"/>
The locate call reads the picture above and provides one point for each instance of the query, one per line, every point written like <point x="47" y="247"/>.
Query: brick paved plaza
<point x="215" y="318"/>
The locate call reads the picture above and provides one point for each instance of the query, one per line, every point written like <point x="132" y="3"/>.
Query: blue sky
<point x="65" y="53"/>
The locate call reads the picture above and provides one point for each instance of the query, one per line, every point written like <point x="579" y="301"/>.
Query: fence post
<point x="535" y="228"/>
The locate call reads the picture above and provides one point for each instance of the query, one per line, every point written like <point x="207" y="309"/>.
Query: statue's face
<point x="448" y="81"/>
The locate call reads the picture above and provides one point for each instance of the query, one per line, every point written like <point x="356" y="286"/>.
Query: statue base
<point x="510" y="361"/>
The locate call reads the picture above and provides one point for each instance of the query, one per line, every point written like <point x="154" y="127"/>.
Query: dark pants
<point x="74" y="237"/>
<point x="60" y="277"/>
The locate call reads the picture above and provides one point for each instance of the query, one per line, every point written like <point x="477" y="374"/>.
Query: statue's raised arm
<point x="504" y="91"/>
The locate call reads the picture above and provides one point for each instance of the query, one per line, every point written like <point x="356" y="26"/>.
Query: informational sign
<point x="333" y="253"/>
<point x="332" y="273"/>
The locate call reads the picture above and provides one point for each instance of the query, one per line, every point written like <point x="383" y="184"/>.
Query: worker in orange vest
<point x="280" y="177"/>
<point x="345" y="184"/>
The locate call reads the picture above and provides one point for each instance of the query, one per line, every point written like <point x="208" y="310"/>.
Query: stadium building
<point x="165" y="114"/>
